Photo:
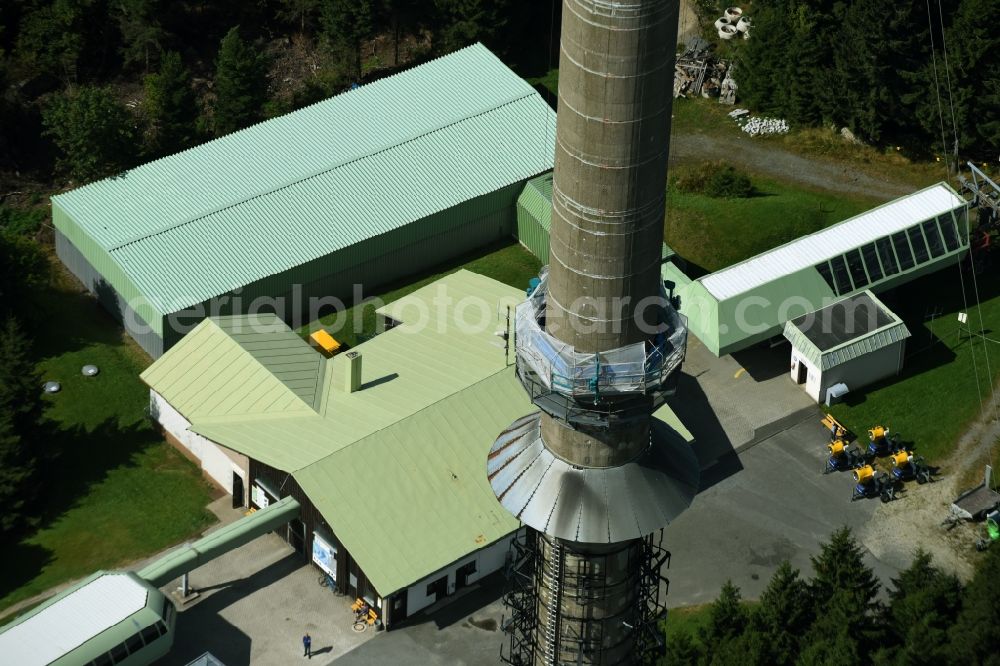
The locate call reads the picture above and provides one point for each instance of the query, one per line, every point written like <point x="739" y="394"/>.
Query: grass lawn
<point x="713" y="233"/>
<point x="113" y="490"/>
<point x="508" y="262"/>
<point x="937" y="395"/>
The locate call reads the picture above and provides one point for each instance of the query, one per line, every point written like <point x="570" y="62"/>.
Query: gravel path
<point x="900" y="527"/>
<point x="767" y="159"/>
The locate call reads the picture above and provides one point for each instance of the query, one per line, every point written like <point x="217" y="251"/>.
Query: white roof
<point x="832" y="241"/>
<point x="73" y="620"/>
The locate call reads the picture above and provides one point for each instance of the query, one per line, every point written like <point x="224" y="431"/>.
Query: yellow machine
<point x="864" y="474"/>
<point x="901" y="459"/>
<point x="837" y="431"/>
<point x="837" y="447"/>
<point x="324" y="343"/>
<point x="877" y="433"/>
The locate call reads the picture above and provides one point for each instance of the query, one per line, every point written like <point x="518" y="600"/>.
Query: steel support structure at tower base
<point x="601" y="602"/>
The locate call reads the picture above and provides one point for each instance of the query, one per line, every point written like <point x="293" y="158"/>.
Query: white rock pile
<point x="756" y="126"/>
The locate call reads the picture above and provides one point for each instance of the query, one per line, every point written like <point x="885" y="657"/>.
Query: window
<point x="948" y="231"/>
<point x="917" y="241"/>
<point x="840" y="275"/>
<point x="934" y="243"/>
<point x="857" y="269"/>
<point x="902" y="250"/>
<point x="150" y="634"/>
<point x="871" y="262"/>
<point x="885" y="253"/>
<point x="162" y="628"/>
<point x="134" y="644"/>
<point x="103" y="660"/>
<point x="119" y="653"/>
<point x="824" y="270"/>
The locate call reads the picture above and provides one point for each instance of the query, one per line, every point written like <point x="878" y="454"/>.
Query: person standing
<point x="307" y="645"/>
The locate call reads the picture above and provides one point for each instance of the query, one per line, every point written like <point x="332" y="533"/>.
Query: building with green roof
<point x="362" y="188"/>
<point x="855" y="341"/>
<point x="396" y="505"/>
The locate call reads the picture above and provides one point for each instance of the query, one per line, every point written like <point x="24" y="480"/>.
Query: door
<point x="297" y="535"/>
<point x="803" y="372"/>
<point x="237" y="491"/>
<point x="438" y="589"/>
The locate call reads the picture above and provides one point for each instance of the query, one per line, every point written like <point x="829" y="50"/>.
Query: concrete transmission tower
<point x="599" y="348"/>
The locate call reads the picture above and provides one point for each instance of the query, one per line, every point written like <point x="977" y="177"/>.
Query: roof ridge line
<point x="321" y="172"/>
<point x="408" y="416"/>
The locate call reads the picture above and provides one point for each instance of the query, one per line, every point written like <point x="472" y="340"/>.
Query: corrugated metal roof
<point x="434" y="502"/>
<point x="537" y="199"/>
<point x="864" y="343"/>
<point x="210" y="373"/>
<point x="71" y="619"/>
<point x="852" y="233"/>
<point x="219" y="216"/>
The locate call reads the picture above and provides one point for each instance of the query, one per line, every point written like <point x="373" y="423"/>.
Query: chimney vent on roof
<point x="353" y="381"/>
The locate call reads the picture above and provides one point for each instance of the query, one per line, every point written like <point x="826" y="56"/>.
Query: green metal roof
<point x="436" y="391"/>
<point x="537" y="199"/>
<point x="212" y="372"/>
<point x="857" y="347"/>
<point x="198" y="224"/>
<point x="751" y="301"/>
<point x="428" y="472"/>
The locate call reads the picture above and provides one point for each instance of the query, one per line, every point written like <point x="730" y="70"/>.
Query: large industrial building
<point x="383" y="450"/>
<point x="363" y="188"/>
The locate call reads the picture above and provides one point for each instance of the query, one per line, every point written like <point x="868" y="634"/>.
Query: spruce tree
<point x="141" y="32"/>
<point x="240" y="84"/>
<point x="923" y="603"/>
<point x="346" y="25"/>
<point x="727" y="618"/>
<point x="782" y="616"/>
<point x="170" y="106"/>
<point x="974" y="636"/>
<point x="94" y="133"/>
<point x="20" y="411"/>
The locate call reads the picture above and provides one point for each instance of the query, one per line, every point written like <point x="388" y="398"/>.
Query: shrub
<point x="715" y="179"/>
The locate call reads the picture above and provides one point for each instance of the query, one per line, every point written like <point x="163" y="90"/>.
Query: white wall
<point x="812" y="385"/>
<point x="488" y="559"/>
<point x="214" y="460"/>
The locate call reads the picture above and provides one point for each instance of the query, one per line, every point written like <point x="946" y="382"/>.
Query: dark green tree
<point x="95" y="134"/>
<point x="20" y="412"/>
<point x="974" y="636"/>
<point x="727" y="618"/>
<point x="170" y="107"/>
<point x="347" y="24"/>
<point x="52" y="37"/>
<point x="681" y="650"/>
<point x="299" y="13"/>
<point x="839" y="569"/>
<point x="782" y="616"/>
<point x="763" y="61"/>
<point x="463" y="22"/>
<point x="240" y="84"/>
<point x="141" y="31"/>
<point x="923" y="603"/>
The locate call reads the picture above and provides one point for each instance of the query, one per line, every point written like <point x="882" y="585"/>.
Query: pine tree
<point x="924" y="602"/>
<point x="464" y="22"/>
<point x="680" y="650"/>
<point x="346" y="25"/>
<point x="141" y="31"/>
<point x="727" y="619"/>
<point x="170" y="106"/>
<point x="974" y="636"/>
<point x="240" y="84"/>
<point x="20" y="411"/>
<point x="95" y="134"/>
<point x="783" y="616"/>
